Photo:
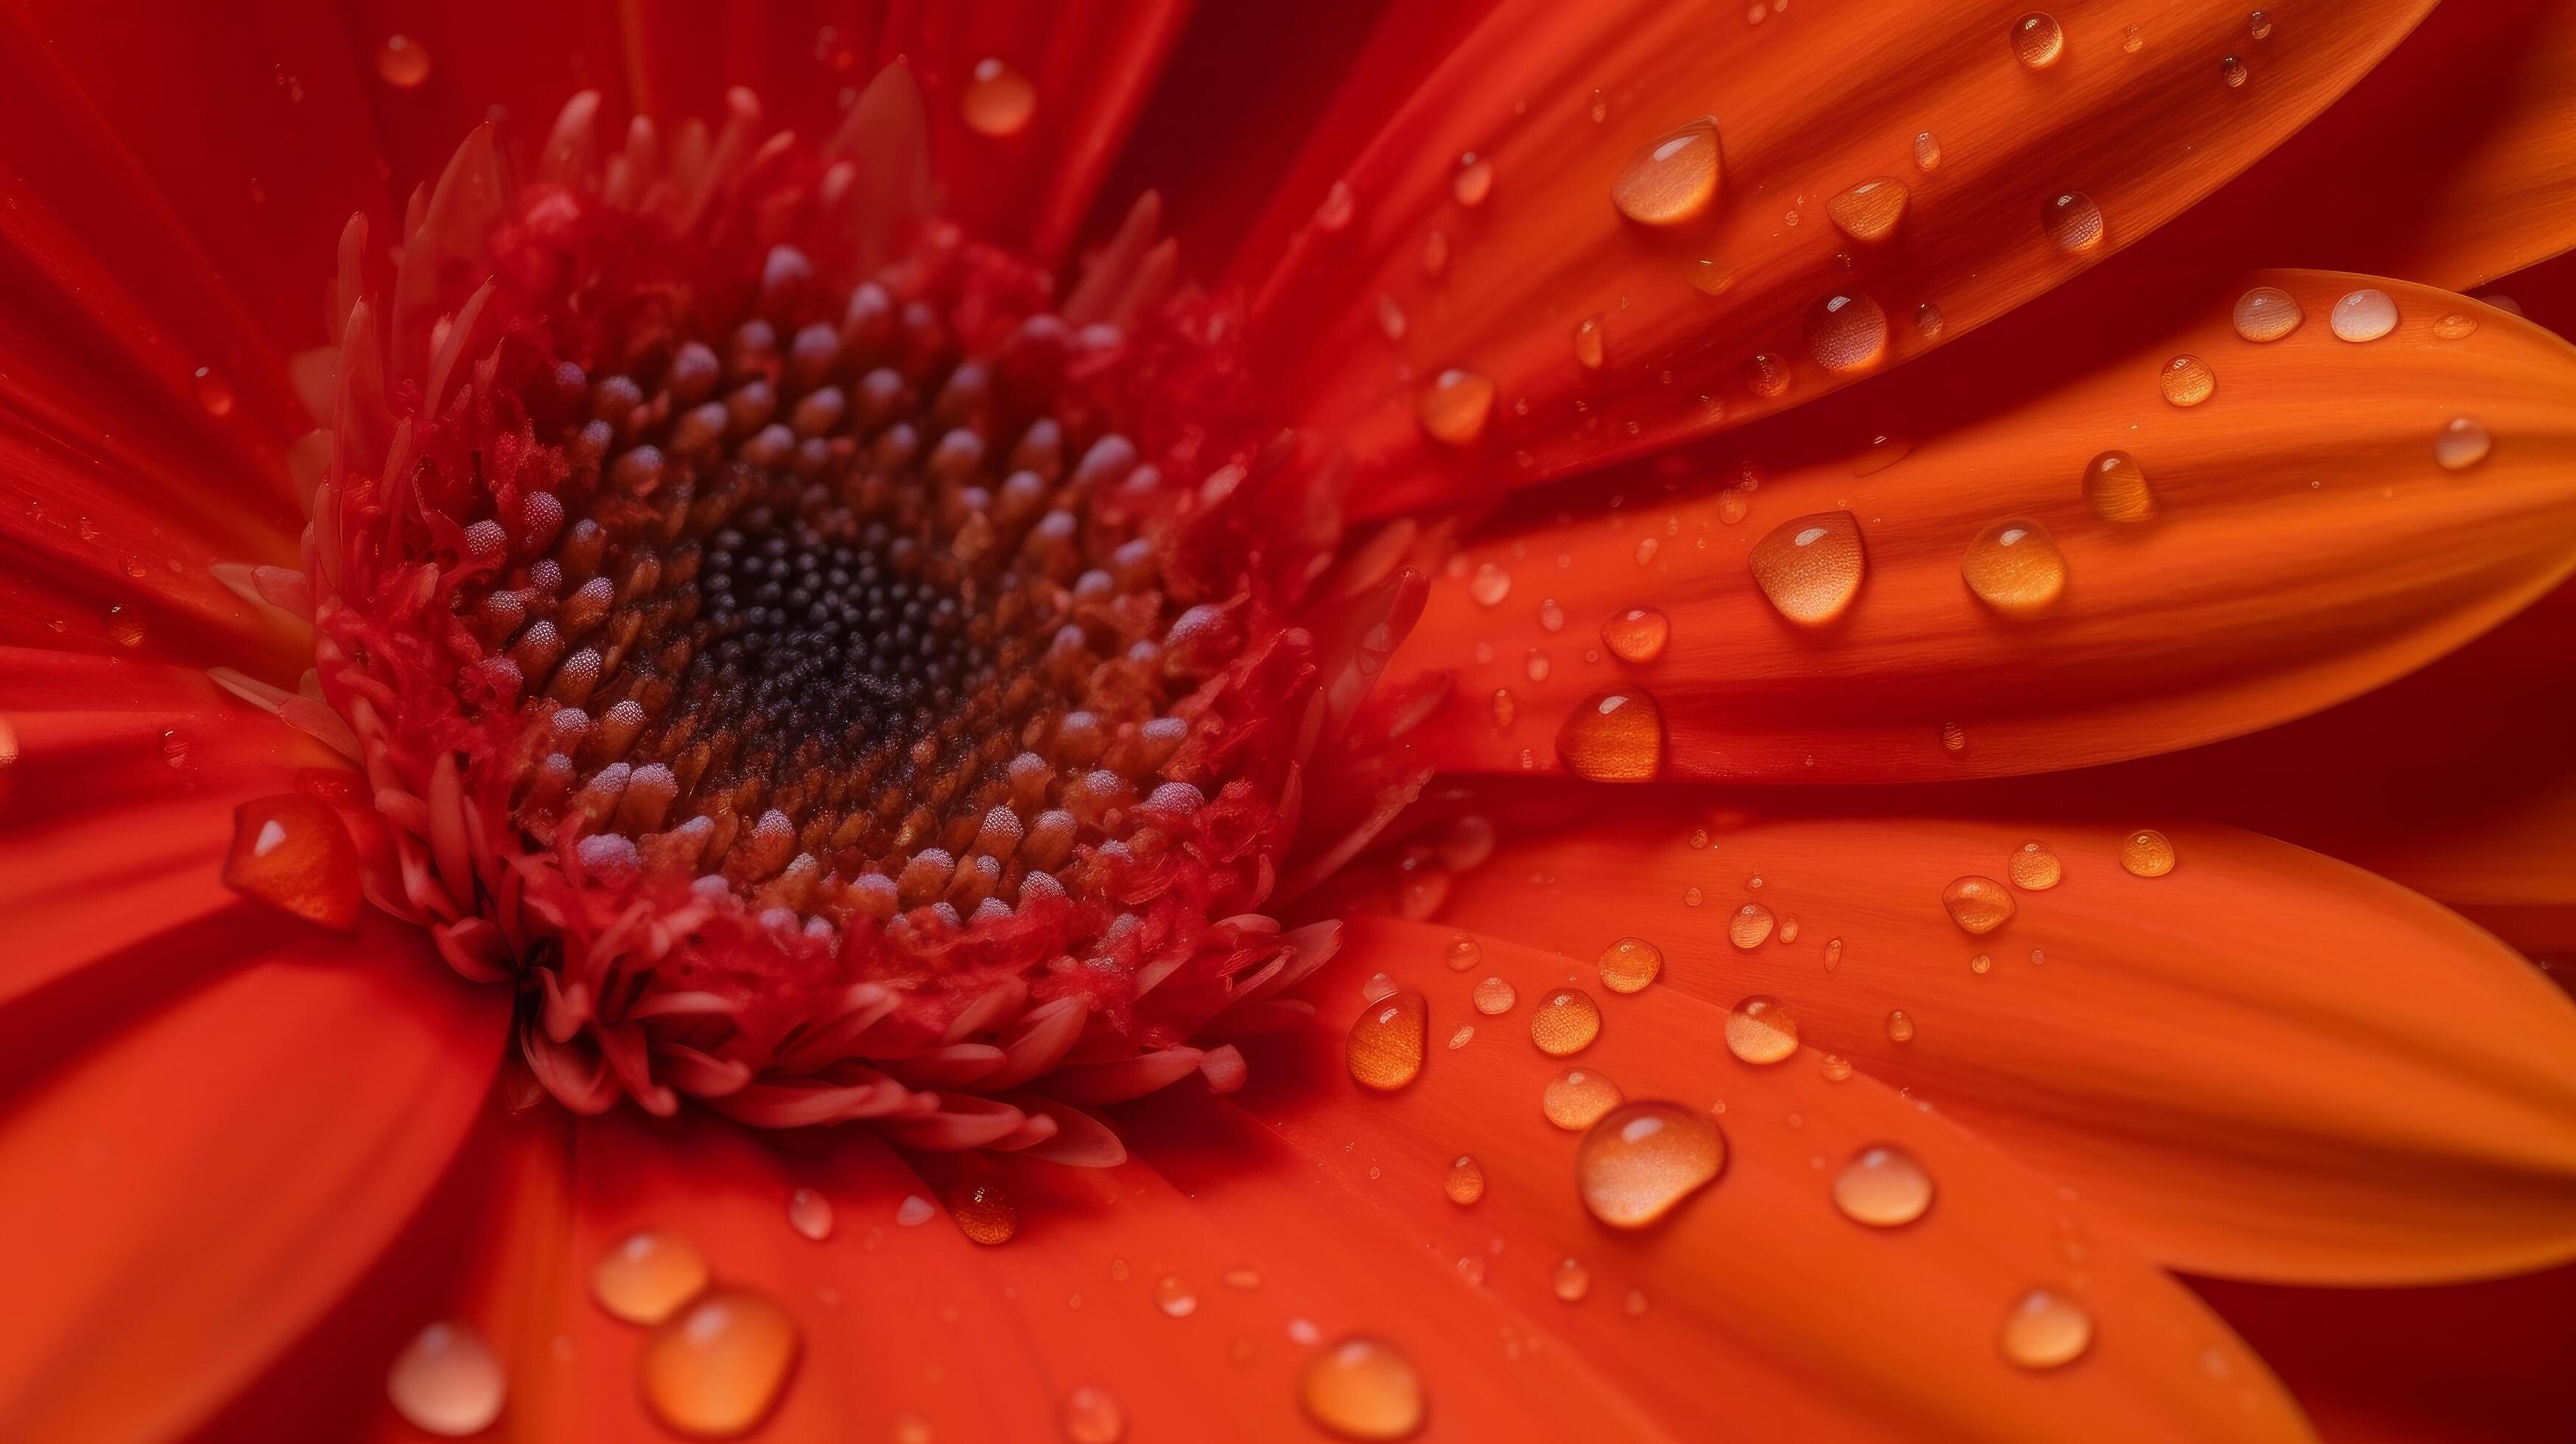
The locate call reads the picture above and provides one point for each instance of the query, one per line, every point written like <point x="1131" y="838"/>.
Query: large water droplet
<point x="1810" y="567"/>
<point x="2037" y="40"/>
<point x="1385" y="1047"/>
<point x="1979" y="905"/>
<point x="1092" y="1416"/>
<point x="1576" y="1098"/>
<point x="810" y="1214"/>
<point x="1453" y="408"/>
<point x="2072" y="221"/>
<point x="2461" y="444"/>
<point x="1749" y="926"/>
<point x="1629" y="964"/>
<point x="984" y="1212"/>
<point x="997" y="100"/>
<point x="1565" y="1022"/>
<point x="1672" y="178"/>
<point x="2147" y="853"/>
<point x="1465" y="1181"/>
<point x="647" y="1276"/>
<point x="293" y="853"/>
<point x="1494" y="996"/>
<point x="447" y="1381"/>
<point x="1637" y="635"/>
<point x="1869" y="211"/>
<point x="2115" y="486"/>
<point x="2267" y="313"/>
<point x="2015" y="568"/>
<point x="1883" y="1187"/>
<point x="2035" y="868"/>
<point x="1846" y="332"/>
<point x="1642" y="1159"/>
<point x="1613" y="736"/>
<point x="1362" y="1388"/>
<point x="716" y="1368"/>
<point x="1760" y="1030"/>
<point x="2045" y="1329"/>
<point x="2364" y="315"/>
<point x="2187" y="381"/>
<point x="402" y="61"/>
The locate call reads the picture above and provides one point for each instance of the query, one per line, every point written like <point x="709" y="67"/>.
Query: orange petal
<point x="209" y="1181"/>
<point x="2262" y="1064"/>
<point x="1756" y="1287"/>
<point x="1809" y="108"/>
<point x="2290" y="560"/>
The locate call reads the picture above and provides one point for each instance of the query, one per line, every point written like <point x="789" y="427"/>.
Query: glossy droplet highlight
<point x="1672" y="178"/>
<point x="2147" y="853"/>
<point x="1868" y="212"/>
<point x="2364" y="315"/>
<point x="447" y="1381"/>
<point x="1362" y="1388"/>
<point x="1749" y="926"/>
<point x="2115" y="486"/>
<point x="2015" y="568"/>
<point x="2258" y="25"/>
<point x="810" y="1214"/>
<point x="1571" y="1281"/>
<point x="2267" y="313"/>
<point x="1765" y="375"/>
<point x="1474" y="180"/>
<point x="1884" y="1187"/>
<point x="292" y="852"/>
<point x="124" y="624"/>
<point x="2073" y="223"/>
<point x="1900" y="1027"/>
<point x="1927" y="151"/>
<point x="1760" y="1030"/>
<point x="1494" y="996"/>
<point x="1613" y="736"/>
<point x="214" y="394"/>
<point x="1464" y="952"/>
<point x="1642" y="1159"/>
<point x="1464" y="1182"/>
<point x="1629" y="964"/>
<point x="1637" y="635"/>
<point x="402" y="62"/>
<point x="1810" y="568"/>
<point x="647" y="1276"/>
<point x="997" y="100"/>
<point x="2044" y="1329"/>
<point x="1092" y="1416"/>
<point x="1385" y="1046"/>
<point x="2034" y="868"/>
<point x="2461" y="444"/>
<point x="716" y="1368"/>
<point x="1576" y="1098"/>
<point x="1488" y="585"/>
<point x="1979" y="905"/>
<point x="2187" y="381"/>
<point x="1174" y="1297"/>
<point x="1588" y="351"/>
<point x="2455" y="325"/>
<point x="1454" y="407"/>
<point x="1565" y="1022"/>
<point x="1846" y="332"/>
<point x="2232" y="72"/>
<point x="985" y="1213"/>
<point x="2037" y="40"/>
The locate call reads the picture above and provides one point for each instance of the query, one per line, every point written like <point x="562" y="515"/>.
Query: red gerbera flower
<point x="906" y="725"/>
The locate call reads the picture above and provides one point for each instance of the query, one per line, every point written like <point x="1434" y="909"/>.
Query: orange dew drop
<point x="1571" y="1281"/>
<point x="2037" y="40"/>
<point x="2147" y="853"/>
<point x="1614" y="736"/>
<point x="1384" y="1050"/>
<point x="1749" y="927"/>
<point x="810" y="1213"/>
<point x="1642" y="1159"/>
<point x="1565" y="1022"/>
<point x="293" y="853"/>
<point x="1474" y="180"/>
<point x="1883" y="1186"/>
<point x="1494" y="996"/>
<point x="1576" y="1098"/>
<point x="1454" y="408"/>
<point x="1900" y="1026"/>
<point x="1846" y="332"/>
<point x="125" y="625"/>
<point x="2187" y="381"/>
<point x="1637" y="635"/>
<point x="1629" y="964"/>
<point x="447" y="1381"/>
<point x="1766" y="374"/>
<point x="1464" y="952"/>
<point x="1465" y="1181"/>
<point x="1092" y="1415"/>
<point x="1588" y="350"/>
<point x="402" y="62"/>
<point x="2073" y="222"/>
<point x="1810" y="567"/>
<point x="1363" y="1388"/>
<point x="2015" y="568"/>
<point x="1672" y="178"/>
<point x="997" y="100"/>
<point x="214" y="394"/>
<point x="984" y="1212"/>
<point x="2044" y="1329"/>
<point x="647" y="1276"/>
<point x="716" y="1368"/>
<point x="1760" y="1030"/>
<point x="2035" y="868"/>
<point x="1979" y="905"/>
<point x="2115" y="486"/>
<point x="1869" y="211"/>
<point x="2267" y="313"/>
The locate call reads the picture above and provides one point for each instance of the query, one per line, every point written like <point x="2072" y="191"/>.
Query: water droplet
<point x="1385" y="1048"/>
<point x="2147" y="853"/>
<point x="1362" y="1388"/>
<point x="1834" y="1067"/>
<point x="1629" y="964"/>
<point x="1869" y="211"/>
<point x="1981" y="964"/>
<point x="2037" y="41"/>
<point x="2187" y="381"/>
<point x="647" y="1276"/>
<point x="214" y="394"/>
<point x="2015" y="568"/>
<point x="1174" y="1298"/>
<point x="2454" y="325"/>
<point x="1759" y="1030"/>
<point x="1672" y="178"/>
<point x="1454" y="406"/>
<point x="1463" y="953"/>
<point x="1883" y="1187"/>
<point x="1833" y="954"/>
<point x="984" y="1212"/>
<point x="2072" y="222"/>
<point x="2258" y="25"/>
<point x="1810" y="567"/>
<point x="717" y="1367"/>
<point x="2461" y="444"/>
<point x="1642" y="1159"/>
<point x="1565" y="1022"/>
<point x="1749" y="927"/>
<point x="1571" y="1280"/>
<point x="2115" y="486"/>
<point x="2044" y="1330"/>
<point x="1846" y="332"/>
<point x="2131" y="41"/>
<point x="1474" y="180"/>
<point x="997" y="100"/>
<point x="1979" y="905"/>
<point x="915" y="1211"/>
<point x="2364" y="315"/>
<point x="1613" y="736"/>
<point x="293" y="853"/>
<point x="1576" y="1098"/>
<point x="1709" y="278"/>
<point x="125" y="626"/>
<point x="1465" y="1181"/>
<point x="2267" y="313"/>
<point x="1927" y="151"/>
<point x="2232" y="71"/>
<point x="1379" y="985"/>
<point x="1928" y="320"/>
<point x="1637" y="635"/>
<point x="1766" y="375"/>
<point x="1494" y="996"/>
<point x="1092" y="1416"/>
<point x="402" y="61"/>
<point x="1954" y="738"/>
<point x="810" y="1214"/>
<point x="1900" y="1028"/>
<point x="1587" y="343"/>
<point x="447" y="1381"/>
<point x="2035" y="868"/>
<point x="1489" y="585"/>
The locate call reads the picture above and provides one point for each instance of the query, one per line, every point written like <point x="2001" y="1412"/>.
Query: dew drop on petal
<point x="1834" y="1067"/>
<point x="2115" y="486"/>
<point x="1494" y="996"/>
<point x="1474" y="180"/>
<point x="2015" y="568"/>
<point x="2258" y="25"/>
<point x="2454" y="325"/>
<point x="810" y="1214"/>
<point x="1642" y="1159"/>
<point x="1174" y="1297"/>
<point x="1883" y="1186"/>
<point x="1766" y="375"/>
<point x="2037" y="40"/>
<point x="2461" y="444"/>
<point x="1092" y="1416"/>
<point x="1465" y="1181"/>
<point x="2187" y="381"/>
<point x="1385" y="1046"/>
<point x="1454" y="407"/>
<point x="1810" y="567"/>
<point x="2045" y="1329"/>
<point x="716" y="1368"/>
<point x="1954" y="738"/>
<point x="1576" y="1098"/>
<point x="1900" y="1027"/>
<point x="1928" y="320"/>
<point x="1846" y="332"/>
<point x="1870" y="210"/>
<point x="1489" y="584"/>
<point x="1672" y="178"/>
<point x="1749" y="927"/>
<point x="647" y="1276"/>
<point x="997" y="100"/>
<point x="1637" y="635"/>
<point x="1760" y="1030"/>
<point x="1463" y="953"/>
<point x="447" y="1381"/>
<point x="2232" y="71"/>
<point x="2073" y="223"/>
<point x="1927" y="151"/>
<point x="1587" y="343"/>
<point x="2035" y="869"/>
<point x="1362" y="1388"/>
<point x="2131" y="41"/>
<point x="1979" y="905"/>
<point x="1379" y="985"/>
<point x="214" y="394"/>
<point x="294" y="853"/>
<point x="984" y="1212"/>
<point x="1565" y="1022"/>
<point x="1629" y="964"/>
<point x="1613" y="736"/>
<point x="2147" y="853"/>
<point x="402" y="62"/>
<point x="2267" y="313"/>
<point x="2364" y="315"/>
<point x="1981" y="964"/>
<point x="1709" y="278"/>
<point x="1571" y="1281"/>
<point x="124" y="624"/>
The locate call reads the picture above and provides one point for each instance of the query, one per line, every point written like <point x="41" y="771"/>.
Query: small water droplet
<point x="1883" y="1186"/>
<point x="2147" y="853"/>
<point x="1463" y="953"/>
<point x="1576" y="1098"/>
<point x="1379" y="985"/>
<point x="2035" y="868"/>
<point x="2037" y="40"/>
<point x="1465" y="1181"/>
<point x="2131" y="41"/>
<point x="1749" y="927"/>
<point x="2045" y="1329"/>
<point x="2461" y="444"/>
<point x="1489" y="585"/>
<point x="810" y="1214"/>
<point x="1092" y="1416"/>
<point x="1869" y="211"/>
<point x="1642" y="1159"/>
<point x="1672" y="178"/>
<point x="1587" y="343"/>
<point x="1927" y="151"/>
<point x="1709" y="278"/>
<point x="1900" y="1028"/>
<point x="402" y="61"/>
<point x="2454" y="325"/>
<point x="447" y="1381"/>
<point x="1565" y="1022"/>
<point x="2232" y="71"/>
<point x="2015" y="568"/>
<point x="1494" y="996"/>
<point x="125" y="626"/>
<point x="916" y="1210"/>
<point x="1834" y="1067"/>
<point x="2115" y="486"/>
<point x="1981" y="964"/>
<point x="1759" y="1030"/>
<point x="1846" y="332"/>
<point x="1833" y="954"/>
<point x="647" y="1276"/>
<point x="1629" y="964"/>
<point x="1637" y="635"/>
<point x="1571" y="1280"/>
<point x="1810" y="567"/>
<point x="1954" y="738"/>
<point x="1474" y="180"/>
<point x="1453" y="408"/>
<point x="1613" y="736"/>
<point x="2258" y="25"/>
<point x="1979" y="905"/>
<point x="2364" y="315"/>
<point x="2072" y="222"/>
<point x="294" y="853"/>
<point x="1385" y="1046"/>
<point x="984" y="1212"/>
<point x="1362" y="1388"/>
<point x="2267" y="313"/>
<point x="1766" y="375"/>
<point x="997" y="100"/>
<point x="716" y="1368"/>
<point x="1174" y="1298"/>
<point x="1928" y="320"/>
<point x="214" y="394"/>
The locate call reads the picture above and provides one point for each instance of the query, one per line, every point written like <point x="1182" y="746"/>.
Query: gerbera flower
<point x="1488" y="720"/>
